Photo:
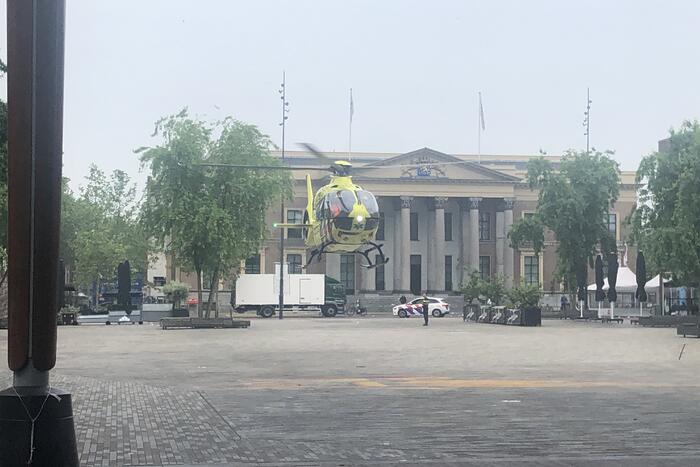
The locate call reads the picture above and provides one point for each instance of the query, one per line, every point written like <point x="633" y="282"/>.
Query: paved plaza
<point x="349" y="391"/>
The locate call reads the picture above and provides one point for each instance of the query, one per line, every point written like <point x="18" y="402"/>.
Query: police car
<point x="436" y="307"/>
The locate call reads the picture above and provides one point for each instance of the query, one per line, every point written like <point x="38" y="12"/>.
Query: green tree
<point x="176" y="292"/>
<point x="574" y="200"/>
<point x="100" y="227"/>
<point x="525" y="295"/>
<point x="209" y="219"/>
<point x="666" y="220"/>
<point x="493" y="288"/>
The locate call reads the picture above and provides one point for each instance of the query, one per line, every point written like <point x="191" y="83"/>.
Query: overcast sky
<point x="415" y="68"/>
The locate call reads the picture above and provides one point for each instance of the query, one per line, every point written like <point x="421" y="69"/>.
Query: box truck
<point x="260" y="293"/>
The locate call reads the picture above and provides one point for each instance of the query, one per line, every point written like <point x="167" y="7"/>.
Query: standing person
<point x="425" y="303"/>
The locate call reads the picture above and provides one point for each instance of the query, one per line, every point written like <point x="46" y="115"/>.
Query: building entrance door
<point x="415" y="274"/>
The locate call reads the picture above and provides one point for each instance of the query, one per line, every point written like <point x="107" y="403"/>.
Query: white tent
<point x="626" y="281"/>
<point x="653" y="283"/>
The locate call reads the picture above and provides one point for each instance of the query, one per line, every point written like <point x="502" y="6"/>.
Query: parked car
<point x="438" y="307"/>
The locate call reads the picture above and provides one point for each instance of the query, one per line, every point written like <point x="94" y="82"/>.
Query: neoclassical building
<point x="439" y="223"/>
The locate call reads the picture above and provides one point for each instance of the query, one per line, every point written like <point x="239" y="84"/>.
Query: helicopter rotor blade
<point x="260" y="167"/>
<point x="316" y="152"/>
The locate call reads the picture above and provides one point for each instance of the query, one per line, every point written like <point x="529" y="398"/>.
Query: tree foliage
<point x="525" y="295"/>
<point x="100" y="229"/>
<point x="176" y="292"/>
<point x="492" y="288"/>
<point x="574" y="200"/>
<point x="666" y="220"/>
<point x="209" y="219"/>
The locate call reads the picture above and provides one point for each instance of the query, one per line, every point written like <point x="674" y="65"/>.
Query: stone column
<point x="464" y="260"/>
<point x="500" y="241"/>
<point x="474" y="234"/>
<point x="365" y="276"/>
<point x="437" y="277"/>
<point x="395" y="258"/>
<point x="509" y="253"/>
<point x="405" y="273"/>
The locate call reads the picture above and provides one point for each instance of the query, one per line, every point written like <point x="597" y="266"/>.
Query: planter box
<point x="667" y="321"/>
<point x="203" y="323"/>
<point x="688" y="329"/>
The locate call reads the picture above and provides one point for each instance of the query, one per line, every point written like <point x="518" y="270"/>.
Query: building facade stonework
<point x="441" y="220"/>
<point x="443" y="217"/>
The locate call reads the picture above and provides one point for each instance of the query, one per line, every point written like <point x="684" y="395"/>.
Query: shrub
<point x="524" y="295"/>
<point x="176" y="292"/>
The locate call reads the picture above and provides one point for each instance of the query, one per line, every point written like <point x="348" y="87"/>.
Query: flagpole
<point x="350" y="127"/>
<point x="478" y="122"/>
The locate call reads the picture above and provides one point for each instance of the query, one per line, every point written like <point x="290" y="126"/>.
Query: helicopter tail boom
<point x="310" y="200"/>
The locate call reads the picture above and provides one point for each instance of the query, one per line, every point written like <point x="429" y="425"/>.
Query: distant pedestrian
<point x="402" y="300"/>
<point x="564" y="303"/>
<point x="425" y="303"/>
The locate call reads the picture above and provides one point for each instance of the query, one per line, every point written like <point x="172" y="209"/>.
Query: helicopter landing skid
<point x="381" y="261"/>
<point x="316" y="254"/>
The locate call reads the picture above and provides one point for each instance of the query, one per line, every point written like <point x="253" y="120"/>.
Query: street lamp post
<point x="285" y="110"/>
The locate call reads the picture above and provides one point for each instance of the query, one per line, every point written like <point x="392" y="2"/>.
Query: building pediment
<point x="429" y="164"/>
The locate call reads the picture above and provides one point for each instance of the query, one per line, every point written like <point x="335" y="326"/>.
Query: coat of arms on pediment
<point x="422" y="167"/>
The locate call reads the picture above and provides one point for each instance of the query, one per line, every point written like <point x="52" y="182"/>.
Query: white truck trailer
<point x="260" y="293"/>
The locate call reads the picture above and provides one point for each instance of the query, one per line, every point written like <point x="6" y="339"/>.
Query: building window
<point x="531" y="274"/>
<point x="414" y="226"/>
<point x="485" y="267"/>
<point x="252" y="265"/>
<point x="294" y="262"/>
<point x="378" y="274"/>
<point x="347" y="273"/>
<point x="448" y="226"/>
<point x="448" y="272"/>
<point x="484" y="226"/>
<point x="527" y="215"/>
<point x="612" y="224"/>
<point x="158" y="281"/>
<point x="380" y="227"/>
<point x="294" y="216"/>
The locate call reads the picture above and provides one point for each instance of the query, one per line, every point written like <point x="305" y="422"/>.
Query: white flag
<point x="481" y="114"/>
<point x="352" y="106"/>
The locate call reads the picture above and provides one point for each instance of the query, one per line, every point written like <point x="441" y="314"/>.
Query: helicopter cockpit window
<point x="323" y="209"/>
<point x="334" y="206"/>
<point x="369" y="201"/>
<point x="347" y="199"/>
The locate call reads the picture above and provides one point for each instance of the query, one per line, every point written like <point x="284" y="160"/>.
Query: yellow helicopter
<point x="341" y="217"/>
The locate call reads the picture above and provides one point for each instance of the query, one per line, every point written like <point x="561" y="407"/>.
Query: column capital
<point x="474" y="203"/>
<point x="406" y="201"/>
<point x="508" y="203"/>
<point x="440" y="202"/>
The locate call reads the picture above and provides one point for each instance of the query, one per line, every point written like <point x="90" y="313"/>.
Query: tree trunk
<point x="199" y="293"/>
<point x="213" y="291"/>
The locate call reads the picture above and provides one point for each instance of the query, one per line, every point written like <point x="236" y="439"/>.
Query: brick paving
<point x="245" y="404"/>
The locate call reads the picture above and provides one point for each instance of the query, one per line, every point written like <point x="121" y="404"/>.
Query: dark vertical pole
<point x="35" y="42"/>
<point x="285" y="104"/>
<point x="35" y="141"/>
<point x="587" y="120"/>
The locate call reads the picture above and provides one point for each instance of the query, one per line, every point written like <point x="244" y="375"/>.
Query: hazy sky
<point x="415" y="68"/>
